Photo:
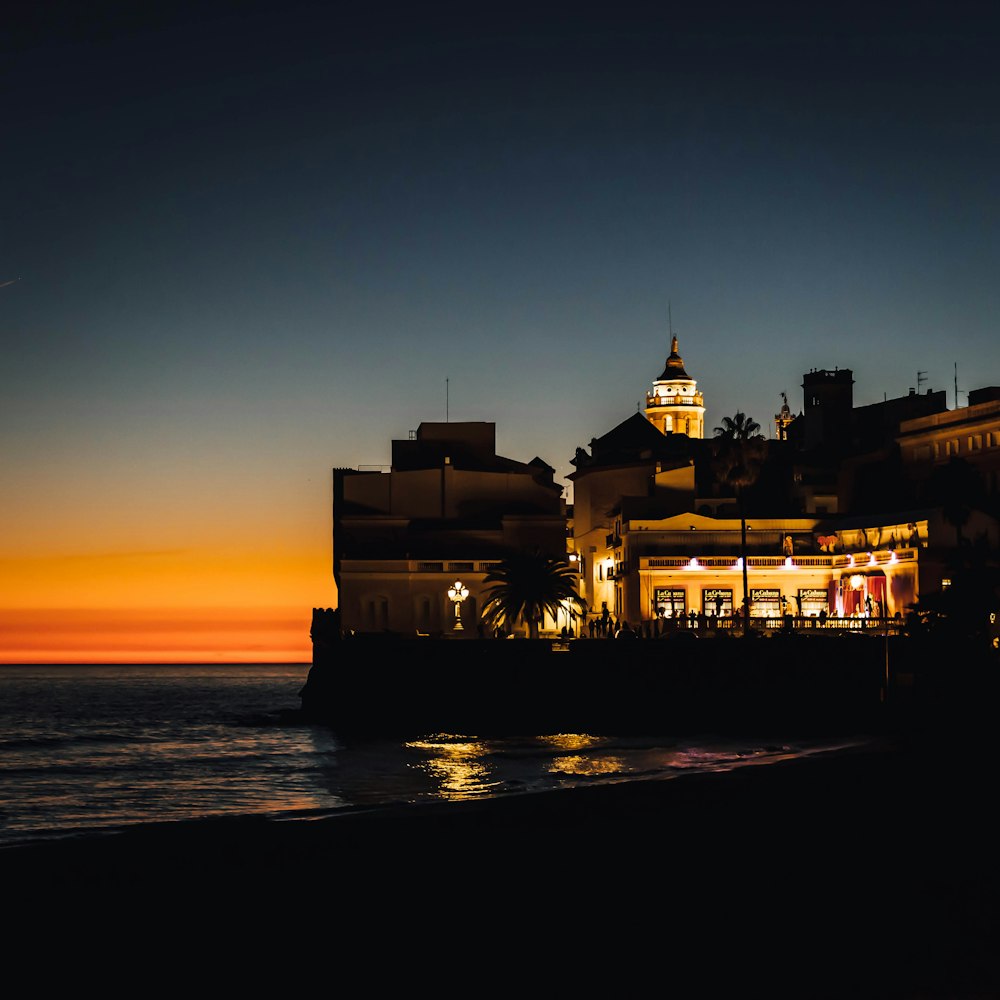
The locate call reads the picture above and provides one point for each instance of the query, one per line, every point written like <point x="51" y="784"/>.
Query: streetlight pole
<point x="457" y="593"/>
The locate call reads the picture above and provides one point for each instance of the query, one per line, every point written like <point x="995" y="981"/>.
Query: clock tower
<point x="675" y="406"/>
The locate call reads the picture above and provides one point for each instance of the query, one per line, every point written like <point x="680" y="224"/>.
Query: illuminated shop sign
<point x="669" y="601"/>
<point x="717" y="600"/>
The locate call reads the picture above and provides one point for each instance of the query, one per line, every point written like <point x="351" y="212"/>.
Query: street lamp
<point x="458" y="592"/>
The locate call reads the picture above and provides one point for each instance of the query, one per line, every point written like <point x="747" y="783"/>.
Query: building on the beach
<point x="843" y="521"/>
<point x="448" y="508"/>
<point x="837" y="525"/>
<point x="971" y="433"/>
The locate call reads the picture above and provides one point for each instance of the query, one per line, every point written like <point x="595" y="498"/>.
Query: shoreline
<point x="50" y="839"/>
<point x="875" y="865"/>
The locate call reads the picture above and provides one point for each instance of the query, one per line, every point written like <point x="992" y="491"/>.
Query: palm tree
<point x="526" y="585"/>
<point x="739" y="451"/>
<point x="957" y="487"/>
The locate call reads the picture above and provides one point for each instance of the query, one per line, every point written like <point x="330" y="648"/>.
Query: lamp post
<point x="457" y="593"/>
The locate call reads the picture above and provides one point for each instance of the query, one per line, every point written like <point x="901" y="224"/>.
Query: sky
<point x="242" y="244"/>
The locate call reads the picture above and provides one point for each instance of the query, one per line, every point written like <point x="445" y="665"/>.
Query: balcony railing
<point x="771" y="624"/>
<point x="860" y="561"/>
<point x="695" y="399"/>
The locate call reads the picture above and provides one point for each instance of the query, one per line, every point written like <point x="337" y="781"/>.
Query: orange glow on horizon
<point x="172" y="635"/>
<point x="223" y="604"/>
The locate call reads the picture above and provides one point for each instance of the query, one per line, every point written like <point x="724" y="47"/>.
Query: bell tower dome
<point x="675" y="406"/>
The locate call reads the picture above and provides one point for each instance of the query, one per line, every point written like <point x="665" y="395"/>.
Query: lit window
<point x="945" y="583"/>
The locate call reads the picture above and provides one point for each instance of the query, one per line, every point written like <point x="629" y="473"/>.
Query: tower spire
<point x="675" y="406"/>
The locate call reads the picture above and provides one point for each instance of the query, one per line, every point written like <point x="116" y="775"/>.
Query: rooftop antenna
<point x="921" y="378"/>
<point x="446" y="401"/>
<point x="956" y="385"/>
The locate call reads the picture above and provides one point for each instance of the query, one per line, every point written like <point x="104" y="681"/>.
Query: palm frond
<point x="525" y="587"/>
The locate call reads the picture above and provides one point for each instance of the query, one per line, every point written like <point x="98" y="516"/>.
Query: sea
<point x="97" y="748"/>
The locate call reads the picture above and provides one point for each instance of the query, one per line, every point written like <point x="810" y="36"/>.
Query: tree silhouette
<point x="738" y="451"/>
<point x="957" y="488"/>
<point x="525" y="586"/>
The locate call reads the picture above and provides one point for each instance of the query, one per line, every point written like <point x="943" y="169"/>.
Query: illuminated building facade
<point x="658" y="542"/>
<point x="838" y="524"/>
<point x="448" y="509"/>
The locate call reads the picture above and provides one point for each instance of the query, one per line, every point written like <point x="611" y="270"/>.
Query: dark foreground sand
<point x="860" y="874"/>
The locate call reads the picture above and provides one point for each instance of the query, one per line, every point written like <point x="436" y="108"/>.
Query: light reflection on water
<point x="104" y="747"/>
<point x="457" y="769"/>
<point x="453" y="767"/>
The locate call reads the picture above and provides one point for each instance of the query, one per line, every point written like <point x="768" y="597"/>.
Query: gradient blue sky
<point x="253" y="240"/>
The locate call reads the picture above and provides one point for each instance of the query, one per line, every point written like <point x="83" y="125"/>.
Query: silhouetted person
<point x="625" y="631"/>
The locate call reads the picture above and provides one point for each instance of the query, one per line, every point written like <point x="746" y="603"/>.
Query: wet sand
<point x="864" y="873"/>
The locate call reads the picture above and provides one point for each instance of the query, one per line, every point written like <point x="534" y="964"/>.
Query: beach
<point x="863" y="872"/>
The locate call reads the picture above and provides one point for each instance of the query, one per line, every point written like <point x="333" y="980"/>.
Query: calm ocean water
<point x="86" y="748"/>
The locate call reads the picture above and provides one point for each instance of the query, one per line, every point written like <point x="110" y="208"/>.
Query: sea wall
<point x="784" y="685"/>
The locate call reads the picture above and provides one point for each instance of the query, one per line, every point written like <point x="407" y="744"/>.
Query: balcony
<point x="695" y="399"/>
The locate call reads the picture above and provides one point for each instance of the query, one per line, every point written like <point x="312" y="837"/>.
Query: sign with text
<point x="813" y="593"/>
<point x="669" y="601"/>
<point x="717" y="600"/>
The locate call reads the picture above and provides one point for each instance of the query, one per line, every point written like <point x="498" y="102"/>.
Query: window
<point x="424" y="614"/>
<point x="717" y="601"/>
<point x="670" y="602"/>
<point x="813" y="600"/>
<point x="378" y="614"/>
<point x="765" y="602"/>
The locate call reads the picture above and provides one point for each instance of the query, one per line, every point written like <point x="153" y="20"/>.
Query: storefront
<point x="813" y="601"/>
<point x="862" y="595"/>
<point x="669" y="602"/>
<point x="765" y="602"/>
<point x="717" y="601"/>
